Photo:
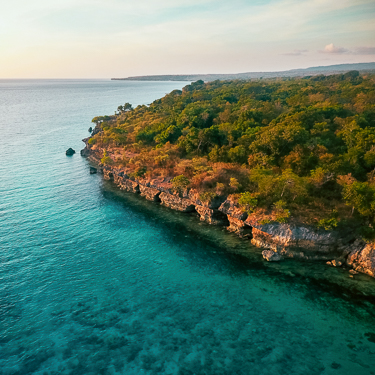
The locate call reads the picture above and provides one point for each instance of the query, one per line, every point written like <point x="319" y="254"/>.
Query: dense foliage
<point x="301" y="146"/>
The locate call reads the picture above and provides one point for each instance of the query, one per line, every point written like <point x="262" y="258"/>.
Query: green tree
<point x="180" y="183"/>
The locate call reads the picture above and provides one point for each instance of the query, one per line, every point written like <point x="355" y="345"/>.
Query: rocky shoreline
<point x="278" y="240"/>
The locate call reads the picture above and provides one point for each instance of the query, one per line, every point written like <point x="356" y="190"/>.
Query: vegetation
<point x="299" y="148"/>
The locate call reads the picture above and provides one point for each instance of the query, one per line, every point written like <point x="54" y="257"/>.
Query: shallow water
<point x="97" y="281"/>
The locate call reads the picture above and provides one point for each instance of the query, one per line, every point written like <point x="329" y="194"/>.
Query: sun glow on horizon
<point x="96" y="39"/>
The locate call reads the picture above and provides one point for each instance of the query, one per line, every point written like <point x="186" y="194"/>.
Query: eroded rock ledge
<point x="279" y="240"/>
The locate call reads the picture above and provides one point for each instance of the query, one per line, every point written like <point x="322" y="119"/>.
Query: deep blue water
<point x="96" y="281"/>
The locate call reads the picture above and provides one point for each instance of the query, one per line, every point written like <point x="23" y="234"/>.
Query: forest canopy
<point x="301" y="147"/>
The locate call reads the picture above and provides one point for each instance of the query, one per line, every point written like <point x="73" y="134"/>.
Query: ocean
<point x="98" y="281"/>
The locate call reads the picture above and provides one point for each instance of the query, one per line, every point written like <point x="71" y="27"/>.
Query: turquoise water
<point x="97" y="281"/>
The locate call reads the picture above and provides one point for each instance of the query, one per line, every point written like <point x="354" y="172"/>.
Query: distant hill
<point x="330" y="69"/>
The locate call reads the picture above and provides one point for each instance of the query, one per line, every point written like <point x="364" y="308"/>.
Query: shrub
<point x="248" y="202"/>
<point x="234" y="184"/>
<point x="328" y="224"/>
<point x="180" y="183"/>
<point x="139" y="172"/>
<point x="282" y="214"/>
<point x="106" y="160"/>
<point x="207" y="196"/>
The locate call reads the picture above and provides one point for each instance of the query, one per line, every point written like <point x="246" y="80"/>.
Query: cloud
<point x="331" y="48"/>
<point x="296" y="52"/>
<point x="364" y="51"/>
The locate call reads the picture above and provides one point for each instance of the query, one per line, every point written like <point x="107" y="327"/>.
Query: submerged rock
<point x="271" y="256"/>
<point x="70" y="152"/>
<point x="93" y="170"/>
<point x="90" y="129"/>
<point x="336" y="263"/>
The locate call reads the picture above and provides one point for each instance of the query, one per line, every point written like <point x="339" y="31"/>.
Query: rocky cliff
<point x="279" y="240"/>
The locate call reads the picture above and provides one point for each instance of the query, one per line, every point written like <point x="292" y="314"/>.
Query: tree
<point x="361" y="197"/>
<point x="248" y="201"/>
<point x="125" y="108"/>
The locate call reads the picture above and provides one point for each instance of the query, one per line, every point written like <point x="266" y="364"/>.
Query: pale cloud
<point x="331" y="48"/>
<point x="296" y="52"/>
<point x="364" y="51"/>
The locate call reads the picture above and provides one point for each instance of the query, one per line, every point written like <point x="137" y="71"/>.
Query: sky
<point x="121" y="38"/>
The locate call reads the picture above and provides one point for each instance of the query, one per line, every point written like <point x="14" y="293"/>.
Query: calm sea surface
<point x="94" y="281"/>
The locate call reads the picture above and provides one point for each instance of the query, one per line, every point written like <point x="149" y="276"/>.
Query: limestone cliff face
<point x="108" y="174"/>
<point x="299" y="241"/>
<point x="279" y="240"/>
<point x="177" y="203"/>
<point x="208" y="210"/>
<point x="149" y="193"/>
<point x="212" y="215"/>
<point x="236" y="217"/>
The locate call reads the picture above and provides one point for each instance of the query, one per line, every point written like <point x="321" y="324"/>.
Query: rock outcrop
<point x="70" y="152"/>
<point x="149" y="193"/>
<point x="236" y="217"/>
<point x="362" y="258"/>
<point x="108" y="174"/>
<point x="298" y="241"/>
<point x="176" y="203"/>
<point x="212" y="215"/>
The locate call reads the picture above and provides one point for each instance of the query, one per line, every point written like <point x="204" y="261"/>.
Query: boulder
<point x="90" y="129"/>
<point x="70" y="152"/>
<point x="336" y="263"/>
<point x="353" y="272"/>
<point x="93" y="170"/>
<point x="362" y="259"/>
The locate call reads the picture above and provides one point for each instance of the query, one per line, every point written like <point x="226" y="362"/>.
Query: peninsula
<point x="288" y="164"/>
<point x="313" y="71"/>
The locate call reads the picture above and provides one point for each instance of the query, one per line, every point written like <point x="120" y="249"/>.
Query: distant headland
<point x="312" y="71"/>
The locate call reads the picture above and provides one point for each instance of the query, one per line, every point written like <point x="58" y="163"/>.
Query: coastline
<point x="279" y="241"/>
